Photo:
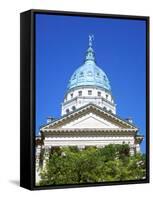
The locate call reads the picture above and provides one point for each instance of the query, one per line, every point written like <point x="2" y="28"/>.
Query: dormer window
<point x="89" y="73"/>
<point x="81" y="74"/>
<point x="74" y="76"/>
<point x="97" y="74"/>
<point x="71" y="95"/>
<point x="104" y="78"/>
<point x="89" y="92"/>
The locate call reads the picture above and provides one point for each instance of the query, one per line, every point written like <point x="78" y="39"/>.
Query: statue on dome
<point x="91" y="38"/>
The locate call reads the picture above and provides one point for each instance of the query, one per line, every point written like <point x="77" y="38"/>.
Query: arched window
<point x="67" y="111"/>
<point x="71" y="95"/>
<point x="73" y="108"/>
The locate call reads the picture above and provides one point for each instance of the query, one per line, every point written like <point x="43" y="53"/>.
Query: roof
<point x="89" y="74"/>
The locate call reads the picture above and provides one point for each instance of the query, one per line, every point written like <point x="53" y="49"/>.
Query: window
<point x="74" y="76"/>
<point x="71" y="95"/>
<point x="99" y="94"/>
<point x="81" y="74"/>
<point x="89" y="73"/>
<point x="106" y="96"/>
<point x="97" y="74"/>
<point x="104" y="108"/>
<point x="104" y="78"/>
<point x="67" y="111"/>
<point x="89" y="92"/>
<point x="73" y="108"/>
<point x="80" y="93"/>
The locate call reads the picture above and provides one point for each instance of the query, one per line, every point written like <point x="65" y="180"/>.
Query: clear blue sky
<point x="120" y="48"/>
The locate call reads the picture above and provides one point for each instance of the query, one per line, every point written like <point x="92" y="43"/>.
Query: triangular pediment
<point x="89" y="120"/>
<point x="89" y="116"/>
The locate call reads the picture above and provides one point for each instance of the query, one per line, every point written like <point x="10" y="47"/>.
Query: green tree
<point x="68" y="165"/>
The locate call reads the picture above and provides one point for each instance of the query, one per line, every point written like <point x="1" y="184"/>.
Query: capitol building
<point x="88" y="114"/>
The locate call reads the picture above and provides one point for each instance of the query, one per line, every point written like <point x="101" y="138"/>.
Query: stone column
<point x="138" y="140"/>
<point x="81" y="147"/>
<point x="37" y="163"/>
<point x="132" y="150"/>
<point x="137" y="148"/>
<point x="46" y="156"/>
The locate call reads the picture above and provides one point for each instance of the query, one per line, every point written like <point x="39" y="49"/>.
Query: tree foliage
<point x="68" y="165"/>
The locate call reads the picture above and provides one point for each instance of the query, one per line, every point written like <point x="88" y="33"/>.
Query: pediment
<point x="89" y="116"/>
<point x="89" y="120"/>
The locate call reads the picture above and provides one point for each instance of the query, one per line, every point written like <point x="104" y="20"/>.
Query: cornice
<point x="88" y="97"/>
<point x="88" y="132"/>
<point x="87" y="87"/>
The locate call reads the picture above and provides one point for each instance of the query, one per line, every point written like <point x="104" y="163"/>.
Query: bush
<point x="68" y="165"/>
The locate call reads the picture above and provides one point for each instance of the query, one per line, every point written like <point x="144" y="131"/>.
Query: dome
<point x="89" y="74"/>
<point x="88" y="85"/>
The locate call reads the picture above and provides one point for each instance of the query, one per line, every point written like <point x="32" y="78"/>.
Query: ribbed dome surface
<point x="89" y="74"/>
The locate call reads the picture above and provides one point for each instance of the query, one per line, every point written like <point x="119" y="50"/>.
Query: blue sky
<point x="120" y="48"/>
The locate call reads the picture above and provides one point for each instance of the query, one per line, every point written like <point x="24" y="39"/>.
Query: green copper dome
<point x="89" y="74"/>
